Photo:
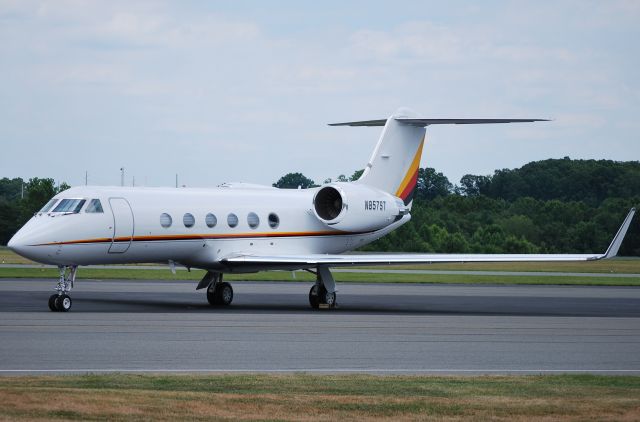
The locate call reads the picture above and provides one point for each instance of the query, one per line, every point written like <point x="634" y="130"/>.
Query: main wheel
<point x="223" y="294"/>
<point x="63" y="303"/>
<point x="211" y="294"/>
<point x="52" y="302"/>
<point x="330" y="299"/>
<point x="314" y="298"/>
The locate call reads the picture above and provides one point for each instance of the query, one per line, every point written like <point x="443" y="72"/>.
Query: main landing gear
<point x="321" y="296"/>
<point x="323" y="293"/>
<point x="60" y="301"/>
<point x="219" y="293"/>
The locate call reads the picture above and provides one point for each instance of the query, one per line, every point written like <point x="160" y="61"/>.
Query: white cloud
<point x="216" y="79"/>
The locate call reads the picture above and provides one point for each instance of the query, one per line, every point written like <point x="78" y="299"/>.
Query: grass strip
<point x="621" y="265"/>
<point x="312" y="397"/>
<point x="150" y="274"/>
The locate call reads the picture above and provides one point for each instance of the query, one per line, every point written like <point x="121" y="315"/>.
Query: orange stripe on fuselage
<point x="201" y="237"/>
<point x="411" y="178"/>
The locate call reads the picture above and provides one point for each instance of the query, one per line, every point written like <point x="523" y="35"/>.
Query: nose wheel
<point x="60" y="301"/>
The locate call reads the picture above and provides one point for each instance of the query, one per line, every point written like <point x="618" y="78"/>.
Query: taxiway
<point x="159" y="326"/>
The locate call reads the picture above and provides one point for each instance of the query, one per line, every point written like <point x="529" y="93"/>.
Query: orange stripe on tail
<point x="408" y="185"/>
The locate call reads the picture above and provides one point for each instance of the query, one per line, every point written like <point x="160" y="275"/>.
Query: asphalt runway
<point x="160" y="326"/>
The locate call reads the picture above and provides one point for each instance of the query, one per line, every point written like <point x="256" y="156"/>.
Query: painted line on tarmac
<point x="323" y="370"/>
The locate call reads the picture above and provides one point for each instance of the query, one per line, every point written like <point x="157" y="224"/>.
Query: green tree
<point x="10" y="189"/>
<point x="293" y="181"/>
<point x="431" y="184"/>
<point x="471" y="185"/>
<point x="356" y="175"/>
<point x="9" y="219"/>
<point x="37" y="193"/>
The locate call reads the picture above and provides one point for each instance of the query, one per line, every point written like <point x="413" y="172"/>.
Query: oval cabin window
<point x="274" y="220"/>
<point x="232" y="220"/>
<point x="211" y="220"/>
<point x="188" y="220"/>
<point x="165" y="220"/>
<point x="253" y="220"/>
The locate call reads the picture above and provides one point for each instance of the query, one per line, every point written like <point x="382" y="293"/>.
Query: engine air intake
<point x="328" y="203"/>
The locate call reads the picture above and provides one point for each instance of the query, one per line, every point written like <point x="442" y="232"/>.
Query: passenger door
<point x="122" y="225"/>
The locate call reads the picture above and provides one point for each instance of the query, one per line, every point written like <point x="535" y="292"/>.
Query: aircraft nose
<point x="16" y="244"/>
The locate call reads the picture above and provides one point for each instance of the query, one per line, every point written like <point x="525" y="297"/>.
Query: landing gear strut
<point x="323" y="293"/>
<point x="60" y="301"/>
<point x="219" y="293"/>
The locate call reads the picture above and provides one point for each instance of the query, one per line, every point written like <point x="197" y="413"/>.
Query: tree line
<point x="549" y="206"/>
<point x="19" y="200"/>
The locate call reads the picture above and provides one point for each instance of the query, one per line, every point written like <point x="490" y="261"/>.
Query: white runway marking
<point x="326" y="370"/>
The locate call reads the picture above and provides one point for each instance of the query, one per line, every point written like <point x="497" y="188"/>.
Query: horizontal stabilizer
<point x="427" y="122"/>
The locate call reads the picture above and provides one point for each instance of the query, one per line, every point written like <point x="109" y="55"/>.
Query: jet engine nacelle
<point x="356" y="208"/>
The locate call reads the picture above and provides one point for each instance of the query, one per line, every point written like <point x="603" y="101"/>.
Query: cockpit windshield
<point x="70" y="205"/>
<point x="48" y="205"/>
<point x="94" y="206"/>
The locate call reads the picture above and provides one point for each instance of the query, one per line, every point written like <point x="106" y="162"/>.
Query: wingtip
<point x="614" y="247"/>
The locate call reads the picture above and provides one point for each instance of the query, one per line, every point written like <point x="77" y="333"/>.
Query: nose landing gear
<point x="60" y="301"/>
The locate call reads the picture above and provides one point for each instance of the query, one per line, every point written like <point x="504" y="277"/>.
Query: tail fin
<point x="393" y="166"/>
<point x="395" y="162"/>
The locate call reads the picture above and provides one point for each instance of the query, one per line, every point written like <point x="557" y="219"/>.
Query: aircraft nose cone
<point x="16" y="244"/>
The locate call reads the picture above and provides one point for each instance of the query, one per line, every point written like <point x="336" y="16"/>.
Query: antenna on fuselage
<point x="122" y="176"/>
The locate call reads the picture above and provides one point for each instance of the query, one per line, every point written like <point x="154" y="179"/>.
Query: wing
<point x="311" y="260"/>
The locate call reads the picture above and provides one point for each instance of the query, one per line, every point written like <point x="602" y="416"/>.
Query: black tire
<point x="322" y="293"/>
<point x="52" y="302"/>
<point x="63" y="303"/>
<point x="211" y="294"/>
<point x="314" y="299"/>
<point x="224" y="294"/>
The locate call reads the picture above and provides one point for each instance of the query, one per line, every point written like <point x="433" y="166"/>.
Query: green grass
<point x="151" y="274"/>
<point x="7" y="256"/>
<point x="622" y="265"/>
<point x="312" y="397"/>
<point x="353" y="384"/>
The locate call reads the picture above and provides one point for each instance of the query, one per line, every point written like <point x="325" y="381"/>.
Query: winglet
<point x="613" y="248"/>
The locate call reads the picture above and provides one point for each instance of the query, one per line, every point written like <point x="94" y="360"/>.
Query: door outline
<point x="120" y="247"/>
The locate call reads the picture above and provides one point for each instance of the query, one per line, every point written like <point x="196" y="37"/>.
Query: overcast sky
<point x="243" y="91"/>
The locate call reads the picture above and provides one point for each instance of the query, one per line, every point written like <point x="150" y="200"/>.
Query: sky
<point x="242" y="91"/>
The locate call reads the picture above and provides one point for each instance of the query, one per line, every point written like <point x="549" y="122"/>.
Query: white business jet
<point x="242" y="228"/>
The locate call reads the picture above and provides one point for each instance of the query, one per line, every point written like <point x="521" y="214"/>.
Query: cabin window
<point x="48" y="205"/>
<point x="211" y="220"/>
<point x="232" y="220"/>
<point x="70" y="205"/>
<point x="253" y="220"/>
<point x="274" y="220"/>
<point x="94" y="206"/>
<point x="188" y="220"/>
<point x="165" y="220"/>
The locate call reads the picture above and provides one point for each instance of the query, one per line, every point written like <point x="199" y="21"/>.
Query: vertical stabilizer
<point x="393" y="166"/>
